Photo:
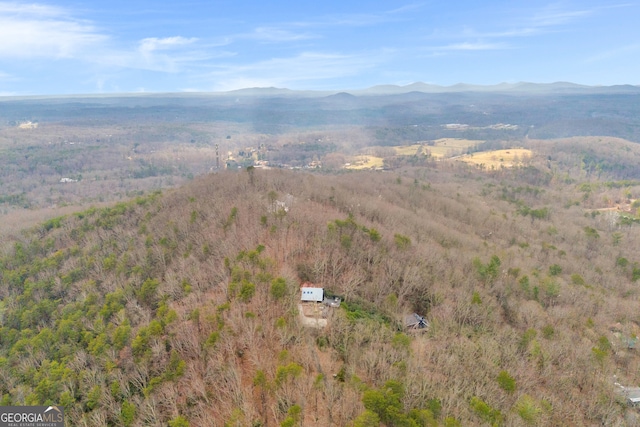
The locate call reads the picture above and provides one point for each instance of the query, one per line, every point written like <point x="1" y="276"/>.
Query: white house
<point x="312" y="294"/>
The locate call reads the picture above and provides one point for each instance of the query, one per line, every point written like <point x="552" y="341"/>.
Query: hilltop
<point x="180" y="307"/>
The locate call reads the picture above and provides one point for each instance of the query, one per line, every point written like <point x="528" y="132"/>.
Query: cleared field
<point x="365" y="162"/>
<point x="442" y="148"/>
<point x="410" y="150"/>
<point x="448" y="147"/>
<point x="498" y="158"/>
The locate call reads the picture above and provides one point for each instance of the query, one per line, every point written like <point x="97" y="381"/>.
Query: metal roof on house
<point x="631" y="394"/>
<point x="312" y="294"/>
<point x="332" y="302"/>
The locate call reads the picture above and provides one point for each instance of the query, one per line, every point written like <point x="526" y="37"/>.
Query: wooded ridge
<point x="180" y="307"/>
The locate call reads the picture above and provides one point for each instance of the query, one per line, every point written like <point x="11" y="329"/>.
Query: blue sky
<point x="99" y="46"/>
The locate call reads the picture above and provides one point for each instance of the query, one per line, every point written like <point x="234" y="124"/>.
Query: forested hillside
<point x="181" y="308"/>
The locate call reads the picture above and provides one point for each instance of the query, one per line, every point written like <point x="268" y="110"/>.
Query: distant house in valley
<point x="415" y="322"/>
<point x="282" y="205"/>
<point x="232" y="164"/>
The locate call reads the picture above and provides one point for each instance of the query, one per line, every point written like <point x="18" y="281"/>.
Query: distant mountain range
<point x="543" y="111"/>
<point x="516" y="88"/>
<point x="520" y="88"/>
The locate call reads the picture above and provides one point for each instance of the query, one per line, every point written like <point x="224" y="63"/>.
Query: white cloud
<point x="161" y="54"/>
<point x="287" y="72"/>
<point x="6" y="77"/>
<point x="41" y="10"/>
<point x="531" y="23"/>
<point x="554" y="16"/>
<point x="274" y="34"/>
<point x="614" y="53"/>
<point x="152" y="44"/>
<point x="159" y="57"/>
<point x="525" y="31"/>
<point x="472" y="46"/>
<point x="354" y="20"/>
<point x="35" y="30"/>
<point x="285" y="32"/>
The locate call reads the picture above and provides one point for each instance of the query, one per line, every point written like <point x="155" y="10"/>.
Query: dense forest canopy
<point x="180" y="307"/>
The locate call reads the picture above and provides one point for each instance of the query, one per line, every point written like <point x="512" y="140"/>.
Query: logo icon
<point x="31" y="416"/>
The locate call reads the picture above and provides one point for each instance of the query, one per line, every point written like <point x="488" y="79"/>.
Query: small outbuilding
<point x="332" y="302"/>
<point x="630" y="394"/>
<point x="415" y="322"/>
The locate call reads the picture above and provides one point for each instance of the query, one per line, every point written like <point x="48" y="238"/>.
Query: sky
<point x="117" y="46"/>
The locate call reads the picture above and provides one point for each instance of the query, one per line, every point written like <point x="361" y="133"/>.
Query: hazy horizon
<point x="380" y="89"/>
